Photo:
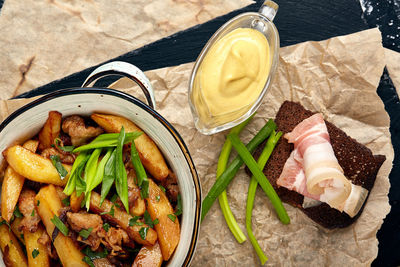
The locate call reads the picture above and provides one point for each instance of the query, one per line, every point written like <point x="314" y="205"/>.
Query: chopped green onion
<point x="107" y="140"/>
<point x="65" y="201"/>
<point x="223" y="198"/>
<point x="35" y="253"/>
<point x="60" y="225"/>
<point x="262" y="160"/>
<point x="162" y="188"/>
<point x="155" y="222"/>
<point x="90" y="173"/>
<point x="111" y="212"/>
<point x="17" y="213"/>
<point x="106" y="227"/>
<point x="148" y="220"/>
<point x="143" y="232"/>
<point x="38" y="203"/>
<point x="88" y="261"/>
<point x="158" y="198"/>
<point x="33" y="213"/>
<point x="133" y="221"/>
<point x="144" y="190"/>
<point x="179" y="205"/>
<point x="172" y="217"/>
<point x="59" y="167"/>
<point x="85" y="233"/>
<point x="93" y="255"/>
<point x="140" y="172"/>
<point x="227" y="176"/>
<point x="77" y="168"/>
<point x="98" y="177"/>
<point x="63" y="148"/>
<point x="121" y="180"/>
<point x="261" y="179"/>
<point x="109" y="176"/>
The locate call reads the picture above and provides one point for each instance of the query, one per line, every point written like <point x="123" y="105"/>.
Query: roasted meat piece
<point x="27" y="207"/>
<point x="80" y="134"/>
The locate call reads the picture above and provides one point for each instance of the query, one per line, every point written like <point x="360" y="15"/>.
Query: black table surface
<point x="297" y="21"/>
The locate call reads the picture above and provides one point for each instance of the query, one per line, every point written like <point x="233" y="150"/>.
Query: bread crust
<point x="358" y="163"/>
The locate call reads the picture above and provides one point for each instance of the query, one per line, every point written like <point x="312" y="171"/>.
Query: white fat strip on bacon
<point x="313" y="170"/>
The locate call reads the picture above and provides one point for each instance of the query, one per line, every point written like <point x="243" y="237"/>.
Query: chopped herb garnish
<point x="111" y="212"/>
<point x="60" y="225"/>
<point x="144" y="190"/>
<point x="22" y="236"/>
<point x="133" y="221"/>
<point x="17" y="212"/>
<point x="35" y="253"/>
<point x="158" y="198"/>
<point x="109" y="176"/>
<point x="85" y="233"/>
<point x="148" y="220"/>
<point x="94" y="255"/>
<point x="121" y="180"/>
<point x="66" y="201"/>
<point x="172" y="217"/>
<point x="162" y="188"/>
<point x="33" y="213"/>
<point x="87" y="260"/>
<point x="114" y="199"/>
<point x="155" y="222"/>
<point x="63" y="148"/>
<point x="59" y="167"/>
<point x="179" y="206"/>
<point x="143" y="232"/>
<point x="38" y="203"/>
<point x="106" y="227"/>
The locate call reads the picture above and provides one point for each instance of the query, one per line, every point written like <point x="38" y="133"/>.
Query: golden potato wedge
<point x="33" y="166"/>
<point x="12" y="252"/>
<point x="168" y="229"/>
<point x="50" y="205"/>
<point x="75" y="201"/>
<point x="122" y="218"/>
<point x="149" y="153"/>
<point x="31" y="145"/>
<point x="37" y="253"/>
<point x="149" y="256"/>
<point x="15" y="229"/>
<point x="138" y="208"/>
<point x="51" y="130"/>
<point x="12" y="185"/>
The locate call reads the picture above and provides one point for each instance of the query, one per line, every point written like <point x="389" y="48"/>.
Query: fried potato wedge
<point x="12" y="251"/>
<point x="12" y="185"/>
<point x="168" y="229"/>
<point x="122" y="218"/>
<point x="50" y="205"/>
<point x="10" y="191"/>
<point x="37" y="252"/>
<point x="15" y="229"/>
<point x="138" y="208"/>
<point x="149" y="256"/>
<point x="33" y="166"/>
<point x="51" y="129"/>
<point x="75" y="201"/>
<point x="149" y="153"/>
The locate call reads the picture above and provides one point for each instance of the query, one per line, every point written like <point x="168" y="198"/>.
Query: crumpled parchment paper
<point x="45" y="40"/>
<point x="337" y="77"/>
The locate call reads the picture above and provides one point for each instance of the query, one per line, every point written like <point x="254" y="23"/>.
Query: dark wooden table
<point x="297" y="21"/>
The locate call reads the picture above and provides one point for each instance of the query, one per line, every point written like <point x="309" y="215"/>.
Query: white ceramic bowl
<point x="28" y="120"/>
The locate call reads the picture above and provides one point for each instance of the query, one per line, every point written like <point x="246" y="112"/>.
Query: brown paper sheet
<point x="393" y="67"/>
<point x="337" y="77"/>
<point x="45" y="40"/>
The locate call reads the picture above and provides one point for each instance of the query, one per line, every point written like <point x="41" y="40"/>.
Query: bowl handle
<point x="127" y="70"/>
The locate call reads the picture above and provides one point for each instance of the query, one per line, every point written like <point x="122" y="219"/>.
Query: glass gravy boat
<point x="261" y="21"/>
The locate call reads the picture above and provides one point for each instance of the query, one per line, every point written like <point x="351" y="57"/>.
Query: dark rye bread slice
<point x="358" y="163"/>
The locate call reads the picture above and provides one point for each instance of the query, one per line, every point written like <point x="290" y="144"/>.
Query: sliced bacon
<point x="313" y="170"/>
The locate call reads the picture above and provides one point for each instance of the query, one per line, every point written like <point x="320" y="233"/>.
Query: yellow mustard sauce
<point x="232" y="75"/>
